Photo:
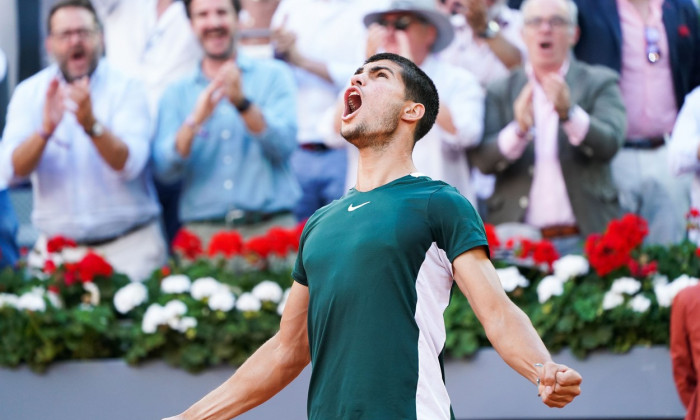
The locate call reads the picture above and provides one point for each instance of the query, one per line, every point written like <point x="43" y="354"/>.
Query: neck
<point x="211" y="65"/>
<point x="379" y="165"/>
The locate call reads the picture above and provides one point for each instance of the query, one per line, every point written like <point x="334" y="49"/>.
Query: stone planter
<point x="635" y="385"/>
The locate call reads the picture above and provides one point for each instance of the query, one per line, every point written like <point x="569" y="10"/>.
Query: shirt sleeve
<point x="465" y="101"/>
<point x="681" y="352"/>
<point x="510" y="143"/>
<point x="685" y="140"/>
<point x="577" y="125"/>
<point x="168" y="165"/>
<point x="130" y="122"/>
<point x="455" y="225"/>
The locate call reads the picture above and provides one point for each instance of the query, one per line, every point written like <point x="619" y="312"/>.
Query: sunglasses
<point x="652" y="38"/>
<point x="401" y="23"/>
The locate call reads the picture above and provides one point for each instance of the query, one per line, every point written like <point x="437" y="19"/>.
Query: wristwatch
<point x="244" y="105"/>
<point x="492" y="29"/>
<point x="96" y="130"/>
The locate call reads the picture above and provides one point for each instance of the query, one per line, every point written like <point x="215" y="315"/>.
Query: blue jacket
<point x="601" y="39"/>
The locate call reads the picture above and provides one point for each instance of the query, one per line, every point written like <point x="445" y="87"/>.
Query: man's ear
<point x="413" y="112"/>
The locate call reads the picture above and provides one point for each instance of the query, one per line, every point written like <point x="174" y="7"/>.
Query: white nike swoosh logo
<point x="353" y="208"/>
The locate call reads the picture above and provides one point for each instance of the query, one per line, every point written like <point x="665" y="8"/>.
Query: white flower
<point x="626" y="285"/>
<point x="130" y="296"/>
<point x="8" y="299"/>
<point x="222" y="300"/>
<point x="570" y="266"/>
<point x="511" y="278"/>
<point x="54" y="299"/>
<point x="550" y="286"/>
<point x="268" y="291"/>
<point x="184" y="323"/>
<point x="73" y="255"/>
<point x="283" y="303"/>
<point x="175" y="308"/>
<point x="94" y="292"/>
<point x="176" y="283"/>
<point x="640" y="303"/>
<point x="248" y="303"/>
<point x="32" y="301"/>
<point x="155" y="315"/>
<point x="204" y="287"/>
<point x="665" y="292"/>
<point x="612" y="300"/>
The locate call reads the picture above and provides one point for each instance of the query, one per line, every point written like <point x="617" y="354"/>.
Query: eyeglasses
<point x="652" y="38"/>
<point x="401" y="23"/>
<point x="82" y="34"/>
<point x="554" y="22"/>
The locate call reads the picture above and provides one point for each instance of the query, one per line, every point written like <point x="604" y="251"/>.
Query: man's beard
<point x="378" y="137"/>
<point x="225" y="55"/>
<point x="70" y="78"/>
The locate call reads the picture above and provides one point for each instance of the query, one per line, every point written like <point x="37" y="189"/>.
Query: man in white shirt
<point x="324" y="52"/>
<point x="80" y="129"/>
<point x="418" y="31"/>
<point x="684" y="151"/>
<point x="488" y="40"/>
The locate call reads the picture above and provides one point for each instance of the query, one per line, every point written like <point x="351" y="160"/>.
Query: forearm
<point x="254" y="119"/>
<point x="27" y="155"/>
<point x="506" y="52"/>
<point x="114" y="151"/>
<point x="517" y="342"/>
<point x="263" y="375"/>
<point x="185" y="137"/>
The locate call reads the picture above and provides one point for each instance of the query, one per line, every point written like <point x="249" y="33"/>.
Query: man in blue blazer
<point x="655" y="46"/>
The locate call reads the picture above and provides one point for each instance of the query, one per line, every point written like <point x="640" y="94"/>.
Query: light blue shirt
<point x="230" y="168"/>
<point x="76" y="193"/>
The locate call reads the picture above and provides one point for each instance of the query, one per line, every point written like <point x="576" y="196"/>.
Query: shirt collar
<point x="531" y="72"/>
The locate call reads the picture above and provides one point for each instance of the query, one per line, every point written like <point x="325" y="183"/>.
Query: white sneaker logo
<point x="353" y="208"/>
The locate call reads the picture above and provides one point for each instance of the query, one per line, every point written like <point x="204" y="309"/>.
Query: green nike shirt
<point x="378" y="266"/>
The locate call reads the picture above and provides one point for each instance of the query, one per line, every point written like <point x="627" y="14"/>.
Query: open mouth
<point x="77" y="54"/>
<point x="546" y="45"/>
<point x="353" y="102"/>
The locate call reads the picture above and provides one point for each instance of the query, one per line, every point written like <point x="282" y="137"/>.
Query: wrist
<point x="242" y="105"/>
<point x="490" y="30"/>
<point x="565" y="115"/>
<point x="44" y="134"/>
<point x="192" y="123"/>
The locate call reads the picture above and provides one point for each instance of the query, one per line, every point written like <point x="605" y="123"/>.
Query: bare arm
<point x="272" y="367"/>
<point x="510" y="331"/>
<point x="506" y="52"/>
<point x="286" y="47"/>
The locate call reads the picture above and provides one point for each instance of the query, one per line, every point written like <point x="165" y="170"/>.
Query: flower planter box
<point x="638" y="384"/>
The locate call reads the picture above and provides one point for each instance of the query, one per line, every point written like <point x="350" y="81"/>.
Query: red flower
<point x="23" y="251"/>
<point x="545" y="253"/>
<point x="70" y="276"/>
<point x="228" y="243"/>
<point x="187" y="243"/>
<point x="491" y="237"/>
<point x="611" y="250"/>
<point x="49" y="267"/>
<point x="684" y="31"/>
<point x="165" y="271"/>
<point x="642" y="270"/>
<point x="93" y="265"/>
<point x="697" y="252"/>
<point x="57" y="243"/>
<point x="692" y="213"/>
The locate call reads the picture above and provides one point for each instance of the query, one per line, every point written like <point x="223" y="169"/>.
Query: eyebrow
<point x="374" y="69"/>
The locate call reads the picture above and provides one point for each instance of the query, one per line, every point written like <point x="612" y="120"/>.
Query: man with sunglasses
<point x="655" y="46"/>
<point x="550" y="132"/>
<point x="417" y="30"/>
<point x="81" y="130"/>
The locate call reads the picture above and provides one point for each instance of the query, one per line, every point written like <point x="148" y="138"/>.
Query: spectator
<point x="416" y="30"/>
<point x="684" y="149"/>
<point x="655" y="46"/>
<point x="322" y="66"/>
<point x="551" y="130"/>
<point x="80" y="128"/>
<point x="685" y="347"/>
<point x="488" y="40"/>
<point x="153" y="42"/>
<point x="228" y="130"/>
<point x="254" y="35"/>
<point x="8" y="221"/>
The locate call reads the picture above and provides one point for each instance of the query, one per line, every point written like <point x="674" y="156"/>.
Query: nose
<point x="357" y="79"/>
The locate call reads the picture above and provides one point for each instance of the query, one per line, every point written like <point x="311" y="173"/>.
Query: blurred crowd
<point x="555" y="116"/>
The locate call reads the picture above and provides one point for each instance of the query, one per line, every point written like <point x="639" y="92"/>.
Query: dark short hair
<point x="236" y="6"/>
<point x="83" y="4"/>
<point x="418" y="88"/>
